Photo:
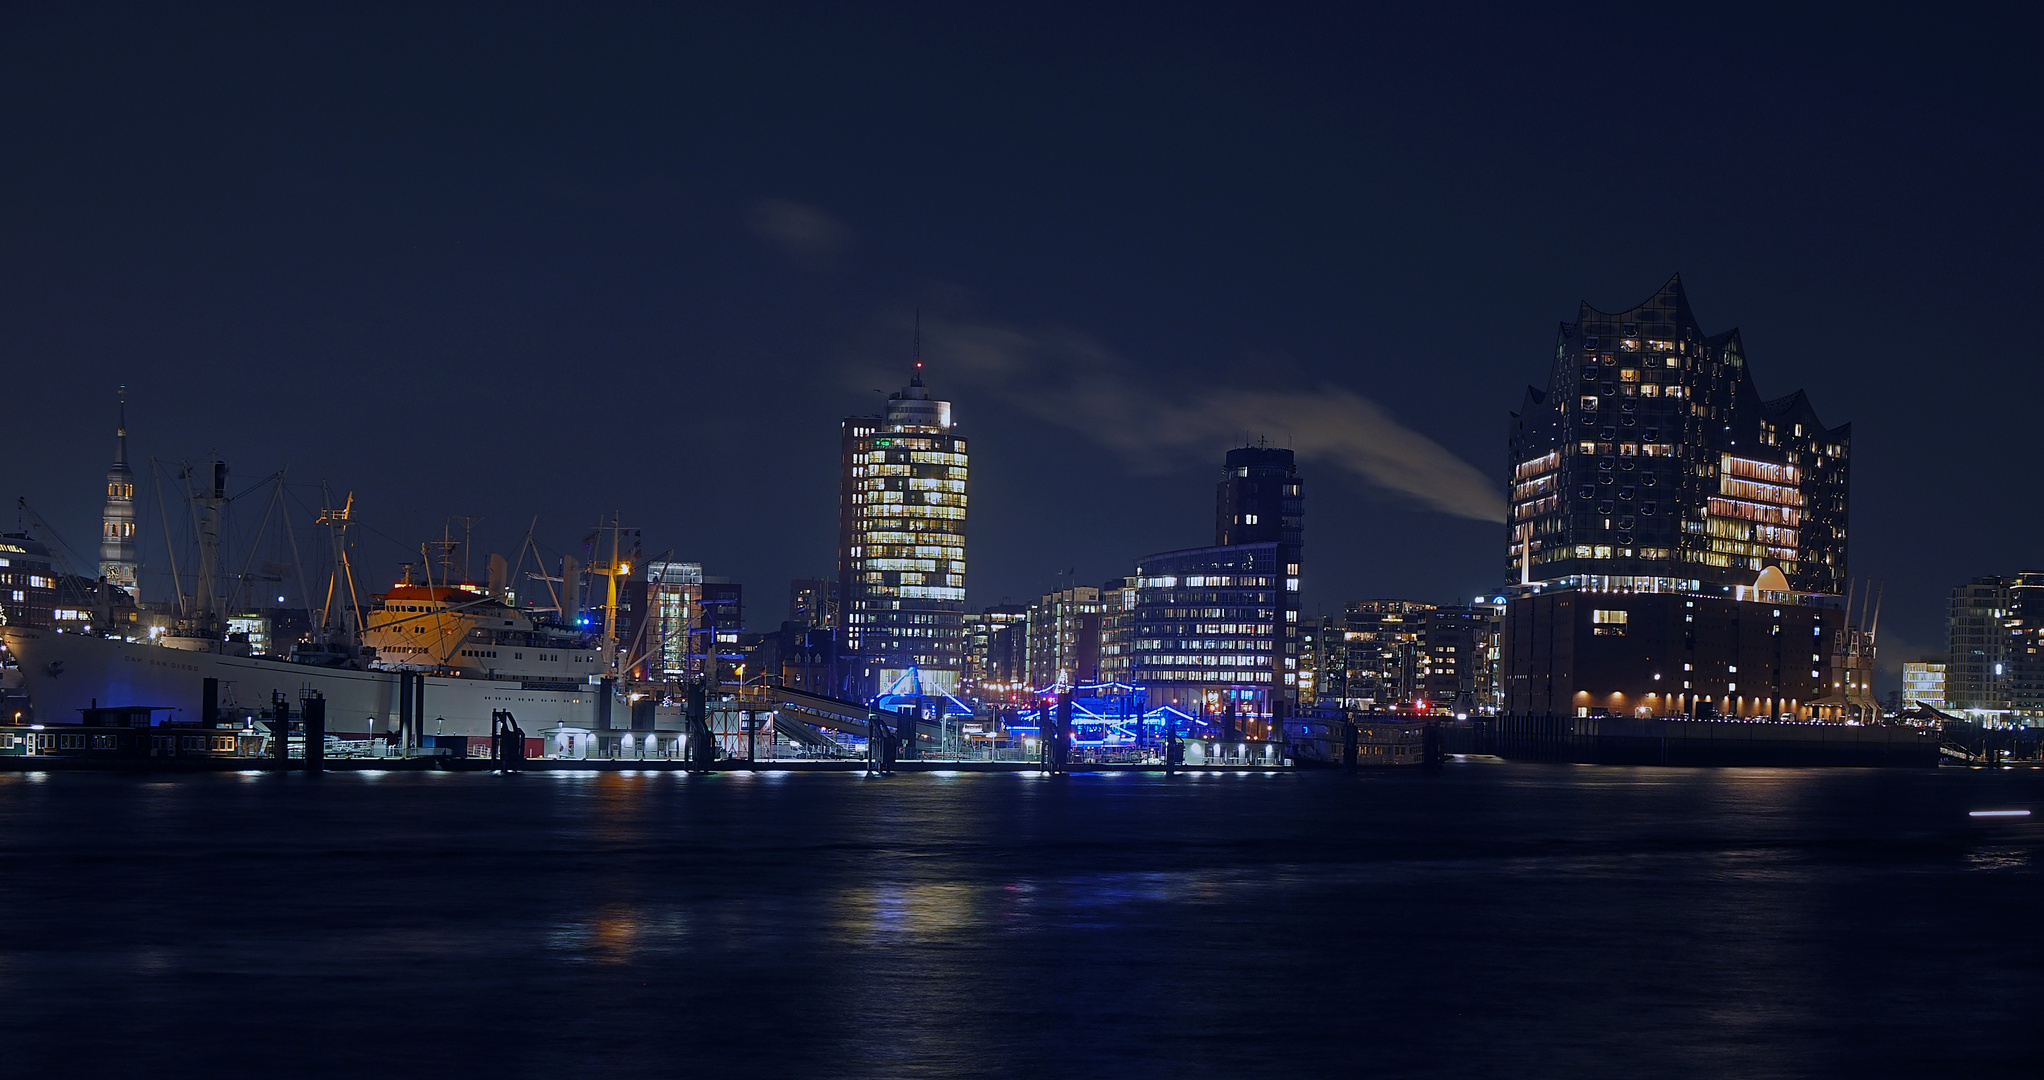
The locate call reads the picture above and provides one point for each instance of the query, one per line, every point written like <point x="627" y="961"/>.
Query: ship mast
<point x="211" y="509"/>
<point x="337" y="522"/>
<point x="611" y="571"/>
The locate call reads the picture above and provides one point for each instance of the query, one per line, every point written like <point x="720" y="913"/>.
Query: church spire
<point x="119" y="562"/>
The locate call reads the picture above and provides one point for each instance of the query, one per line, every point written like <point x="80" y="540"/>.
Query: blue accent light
<point x="1103" y="717"/>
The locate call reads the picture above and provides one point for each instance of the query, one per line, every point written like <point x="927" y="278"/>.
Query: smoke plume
<point x="806" y="234"/>
<point x="1074" y="381"/>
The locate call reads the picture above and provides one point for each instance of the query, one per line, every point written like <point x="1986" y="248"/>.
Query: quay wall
<point x="1626" y="740"/>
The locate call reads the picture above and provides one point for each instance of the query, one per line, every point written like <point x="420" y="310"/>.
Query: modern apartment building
<point x="1678" y="542"/>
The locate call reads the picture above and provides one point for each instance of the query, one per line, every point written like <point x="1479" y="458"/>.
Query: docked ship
<point x="474" y="655"/>
<point x="459" y="651"/>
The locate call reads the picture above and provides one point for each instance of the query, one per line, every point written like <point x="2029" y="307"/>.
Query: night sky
<point x="553" y="262"/>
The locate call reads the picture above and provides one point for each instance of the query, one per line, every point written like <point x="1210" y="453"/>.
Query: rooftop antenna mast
<point x="916" y="356"/>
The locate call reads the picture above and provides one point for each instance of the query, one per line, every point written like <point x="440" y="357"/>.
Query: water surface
<point x="1493" y="920"/>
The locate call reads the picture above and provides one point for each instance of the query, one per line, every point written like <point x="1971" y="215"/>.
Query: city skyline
<point x="539" y="319"/>
<point x="1793" y="406"/>
<point x="953" y="540"/>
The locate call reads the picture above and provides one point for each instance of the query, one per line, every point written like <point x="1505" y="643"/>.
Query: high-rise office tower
<point x="1215" y="630"/>
<point x="118" y="561"/>
<point x="1260" y="499"/>
<point x="901" y="546"/>
<point x="1653" y="491"/>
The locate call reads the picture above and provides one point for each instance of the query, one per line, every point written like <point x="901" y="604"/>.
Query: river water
<point x="1489" y="920"/>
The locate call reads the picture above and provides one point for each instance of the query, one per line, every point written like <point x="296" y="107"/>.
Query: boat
<point x="473" y="654"/>
<point x="460" y="650"/>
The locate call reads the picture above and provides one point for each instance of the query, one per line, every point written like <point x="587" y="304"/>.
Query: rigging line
<point x="645" y="620"/>
<point x="302" y="504"/>
<point x="67" y="585"/>
<point x="516" y="572"/>
<point x="51" y="530"/>
<point x="440" y="615"/>
<point x="278" y="475"/>
<point x="452" y="608"/>
<point x="395" y="542"/>
<point x="177" y="585"/>
<point x="297" y="563"/>
<point x="192" y="510"/>
<point x="326" y="608"/>
<point x="241" y="582"/>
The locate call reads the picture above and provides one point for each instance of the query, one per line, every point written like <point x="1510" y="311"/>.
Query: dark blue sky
<point x="510" y="262"/>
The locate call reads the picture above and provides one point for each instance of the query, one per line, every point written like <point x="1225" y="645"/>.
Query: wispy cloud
<point x="804" y="233"/>
<point x="1074" y="381"/>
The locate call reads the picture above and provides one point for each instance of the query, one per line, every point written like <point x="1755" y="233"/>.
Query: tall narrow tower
<point x="901" y="545"/>
<point x="118" y="563"/>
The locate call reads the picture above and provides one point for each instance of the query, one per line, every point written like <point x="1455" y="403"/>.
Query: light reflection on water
<point x="1538" y="920"/>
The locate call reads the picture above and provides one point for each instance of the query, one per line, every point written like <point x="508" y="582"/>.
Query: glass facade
<point x="1651" y="455"/>
<point x="901" y="549"/>
<point x="1923" y="683"/>
<point x="673" y="597"/>
<point x="1216" y="629"/>
<point x="1678" y="541"/>
<point x="1214" y="623"/>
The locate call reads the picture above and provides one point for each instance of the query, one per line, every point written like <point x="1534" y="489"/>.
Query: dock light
<point x="1998" y="813"/>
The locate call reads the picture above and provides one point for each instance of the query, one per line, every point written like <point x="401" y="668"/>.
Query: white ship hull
<point x="68" y="672"/>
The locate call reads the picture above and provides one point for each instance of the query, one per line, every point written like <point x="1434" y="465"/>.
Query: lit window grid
<point x="907" y="557"/>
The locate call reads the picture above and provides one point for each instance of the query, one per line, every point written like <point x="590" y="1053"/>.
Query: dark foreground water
<point x="1495" y="920"/>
